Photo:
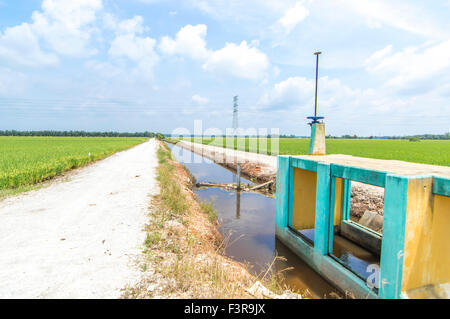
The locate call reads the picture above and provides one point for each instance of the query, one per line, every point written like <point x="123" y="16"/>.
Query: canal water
<point x="247" y="222"/>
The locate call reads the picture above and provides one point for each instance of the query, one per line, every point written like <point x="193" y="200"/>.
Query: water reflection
<point x="238" y="204"/>
<point x="354" y="257"/>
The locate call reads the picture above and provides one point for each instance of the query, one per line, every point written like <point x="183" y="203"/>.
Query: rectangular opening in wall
<point x="304" y="203"/>
<point x="366" y="206"/>
<point x="357" y="226"/>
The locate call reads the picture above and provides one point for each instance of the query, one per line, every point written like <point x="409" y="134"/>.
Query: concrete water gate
<point x="408" y="258"/>
<point x="313" y="212"/>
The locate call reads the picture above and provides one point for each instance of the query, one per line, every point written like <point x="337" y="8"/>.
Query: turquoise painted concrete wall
<point x="395" y="206"/>
<point x="392" y="245"/>
<point x="282" y="196"/>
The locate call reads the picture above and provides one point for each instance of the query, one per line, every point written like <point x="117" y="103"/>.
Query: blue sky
<point x="158" y="65"/>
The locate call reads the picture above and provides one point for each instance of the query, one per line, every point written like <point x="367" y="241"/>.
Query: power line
<point x="235" y="114"/>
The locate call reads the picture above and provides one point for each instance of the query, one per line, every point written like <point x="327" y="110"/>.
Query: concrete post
<point x="317" y="141"/>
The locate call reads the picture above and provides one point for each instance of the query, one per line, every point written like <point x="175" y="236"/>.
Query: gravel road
<point x="79" y="238"/>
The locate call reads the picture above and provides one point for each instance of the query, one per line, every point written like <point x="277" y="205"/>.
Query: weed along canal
<point x="247" y="223"/>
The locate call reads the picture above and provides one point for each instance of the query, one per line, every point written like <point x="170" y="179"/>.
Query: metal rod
<point x="238" y="176"/>
<point x="317" y="80"/>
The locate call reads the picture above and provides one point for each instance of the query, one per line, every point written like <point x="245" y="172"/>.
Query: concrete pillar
<point x="317" y="141"/>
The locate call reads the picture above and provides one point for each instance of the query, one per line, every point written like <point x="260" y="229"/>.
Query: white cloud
<point x="292" y="91"/>
<point x="71" y="14"/>
<point x="62" y="27"/>
<point x="276" y="71"/>
<point x="150" y="1"/>
<point x="12" y="82"/>
<point x="238" y="10"/>
<point x="138" y="49"/>
<point x="133" y="47"/>
<point x="199" y="99"/>
<point x="370" y="111"/>
<point x="132" y="55"/>
<point x="20" y="45"/>
<point x="293" y="16"/>
<point x="378" y="55"/>
<point x="133" y="25"/>
<point x="67" y="26"/>
<point x="297" y="94"/>
<point x="105" y="69"/>
<point x="418" y="63"/>
<point x="397" y="14"/>
<point x="189" y="41"/>
<point x="243" y="60"/>
<point x="344" y="108"/>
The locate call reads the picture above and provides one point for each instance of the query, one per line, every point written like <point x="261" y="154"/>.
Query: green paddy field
<point x="29" y="160"/>
<point x="436" y="152"/>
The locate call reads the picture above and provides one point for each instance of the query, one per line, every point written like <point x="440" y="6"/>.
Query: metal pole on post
<point x="317" y="80"/>
<point x="317" y="144"/>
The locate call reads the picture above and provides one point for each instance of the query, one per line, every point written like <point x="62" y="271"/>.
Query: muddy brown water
<point x="247" y="221"/>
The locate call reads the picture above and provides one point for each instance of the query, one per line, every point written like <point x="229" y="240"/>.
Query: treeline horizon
<point x="77" y="133"/>
<point x="445" y="136"/>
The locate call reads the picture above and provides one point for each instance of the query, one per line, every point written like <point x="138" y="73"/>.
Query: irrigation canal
<point x="247" y="221"/>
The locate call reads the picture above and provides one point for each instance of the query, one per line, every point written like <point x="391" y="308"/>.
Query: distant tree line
<point x="413" y="138"/>
<point x="161" y="136"/>
<point x="80" y="134"/>
<point x="445" y="136"/>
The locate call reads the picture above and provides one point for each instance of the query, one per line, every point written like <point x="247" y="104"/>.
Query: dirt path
<point x="79" y="238"/>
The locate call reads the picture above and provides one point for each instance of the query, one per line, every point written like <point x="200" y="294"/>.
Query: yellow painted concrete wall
<point x="427" y="245"/>
<point x="338" y="201"/>
<point x="440" y="240"/>
<point x="304" y="199"/>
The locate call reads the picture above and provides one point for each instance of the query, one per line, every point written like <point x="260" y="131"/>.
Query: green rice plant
<point x="30" y="160"/>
